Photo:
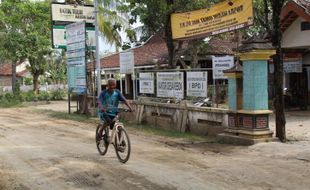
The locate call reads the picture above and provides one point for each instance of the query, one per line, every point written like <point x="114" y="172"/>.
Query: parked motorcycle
<point x="293" y="99"/>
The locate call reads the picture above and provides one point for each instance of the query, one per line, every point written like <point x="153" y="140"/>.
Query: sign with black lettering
<point x="146" y="83"/>
<point x="126" y="62"/>
<point x="292" y="66"/>
<point x="73" y="13"/>
<point x="220" y="64"/>
<point x="170" y="85"/>
<point x="76" y="40"/>
<point x="197" y="84"/>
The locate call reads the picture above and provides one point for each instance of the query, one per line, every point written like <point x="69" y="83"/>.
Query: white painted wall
<point x="293" y="37"/>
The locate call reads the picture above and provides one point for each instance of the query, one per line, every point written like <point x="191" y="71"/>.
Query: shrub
<point x="58" y="94"/>
<point x="28" y="96"/>
<point x="9" y="100"/>
<point x="43" y="95"/>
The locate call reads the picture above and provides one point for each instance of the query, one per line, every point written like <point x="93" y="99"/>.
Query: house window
<point x="305" y="26"/>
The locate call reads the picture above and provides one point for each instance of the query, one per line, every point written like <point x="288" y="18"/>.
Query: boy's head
<point x="111" y="84"/>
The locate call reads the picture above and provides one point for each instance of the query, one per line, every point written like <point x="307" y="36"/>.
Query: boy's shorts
<point x="106" y="117"/>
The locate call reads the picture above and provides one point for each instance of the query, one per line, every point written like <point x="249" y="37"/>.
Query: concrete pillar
<point x="235" y="86"/>
<point x="249" y="118"/>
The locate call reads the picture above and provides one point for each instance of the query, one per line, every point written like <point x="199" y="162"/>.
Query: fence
<point x="25" y="88"/>
<point x="171" y="86"/>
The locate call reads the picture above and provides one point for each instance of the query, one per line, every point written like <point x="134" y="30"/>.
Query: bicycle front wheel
<point x="122" y="146"/>
<point x="102" y="140"/>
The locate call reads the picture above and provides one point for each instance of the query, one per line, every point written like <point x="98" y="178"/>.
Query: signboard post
<point x="219" y="18"/>
<point x="60" y="42"/>
<point x="219" y="64"/>
<point x="170" y="85"/>
<point x="64" y="14"/>
<point x="126" y="62"/>
<point x="76" y="39"/>
<point x="292" y="66"/>
<point x="197" y="84"/>
<point x="146" y="83"/>
<point x="72" y="13"/>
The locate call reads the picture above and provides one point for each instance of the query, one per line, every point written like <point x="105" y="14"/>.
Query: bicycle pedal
<point x="121" y="148"/>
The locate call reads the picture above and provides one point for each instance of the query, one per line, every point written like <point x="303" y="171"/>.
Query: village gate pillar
<point x="235" y="85"/>
<point x="251" y="122"/>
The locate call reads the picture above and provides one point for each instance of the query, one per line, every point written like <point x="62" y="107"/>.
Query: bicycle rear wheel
<point x="122" y="146"/>
<point x="102" y="143"/>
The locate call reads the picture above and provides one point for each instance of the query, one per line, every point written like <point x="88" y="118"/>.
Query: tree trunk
<point x="169" y="40"/>
<point x="170" y="44"/>
<point x="194" y="53"/>
<point x="14" y="79"/>
<point x="279" y="100"/>
<point x="278" y="74"/>
<point x="35" y="81"/>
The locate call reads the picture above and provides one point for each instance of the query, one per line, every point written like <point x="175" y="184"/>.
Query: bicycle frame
<point x="115" y="131"/>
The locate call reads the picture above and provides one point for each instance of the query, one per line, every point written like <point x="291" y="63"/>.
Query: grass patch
<point x="145" y="129"/>
<point x="64" y="115"/>
<point x="167" y="133"/>
<point x="10" y="104"/>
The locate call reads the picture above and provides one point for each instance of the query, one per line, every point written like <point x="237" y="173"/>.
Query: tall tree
<point x="276" y="37"/>
<point x="110" y="20"/>
<point x="156" y="17"/>
<point x="11" y="39"/>
<point x="267" y="15"/>
<point x="57" y="67"/>
<point x="25" y="26"/>
<point x="37" y="38"/>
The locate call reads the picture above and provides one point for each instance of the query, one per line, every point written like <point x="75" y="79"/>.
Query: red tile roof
<point x="6" y="70"/>
<point x="154" y="48"/>
<point x="294" y="9"/>
<point x="219" y="46"/>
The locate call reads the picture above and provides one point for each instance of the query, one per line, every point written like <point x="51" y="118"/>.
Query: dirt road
<point x="37" y="152"/>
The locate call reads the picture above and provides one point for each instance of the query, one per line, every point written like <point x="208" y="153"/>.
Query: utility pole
<point x="98" y="66"/>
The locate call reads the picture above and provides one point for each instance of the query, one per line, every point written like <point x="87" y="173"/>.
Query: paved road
<point x="37" y="152"/>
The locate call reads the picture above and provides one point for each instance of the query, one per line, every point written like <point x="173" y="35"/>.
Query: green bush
<point x="28" y="96"/>
<point x="44" y="96"/>
<point x="58" y="94"/>
<point x="28" y="81"/>
<point x="9" y="100"/>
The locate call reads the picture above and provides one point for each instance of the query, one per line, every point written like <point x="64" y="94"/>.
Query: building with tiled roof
<point x="295" y="25"/>
<point x="146" y="55"/>
<point x="154" y="51"/>
<point x="6" y="73"/>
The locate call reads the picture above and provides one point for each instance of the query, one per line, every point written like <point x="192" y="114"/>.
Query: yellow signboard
<point x="220" y="18"/>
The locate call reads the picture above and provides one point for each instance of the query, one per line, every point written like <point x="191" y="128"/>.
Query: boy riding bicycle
<point x="108" y="104"/>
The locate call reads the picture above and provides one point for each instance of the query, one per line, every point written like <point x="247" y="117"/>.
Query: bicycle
<point x="119" y="138"/>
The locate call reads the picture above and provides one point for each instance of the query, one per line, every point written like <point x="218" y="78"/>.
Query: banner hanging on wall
<point x="197" y="84"/>
<point x="146" y="83"/>
<point x="170" y="85"/>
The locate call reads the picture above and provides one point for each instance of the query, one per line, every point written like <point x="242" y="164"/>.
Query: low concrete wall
<point x="181" y="117"/>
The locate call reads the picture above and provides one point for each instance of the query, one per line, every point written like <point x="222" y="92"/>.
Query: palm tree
<point x="110" y="21"/>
